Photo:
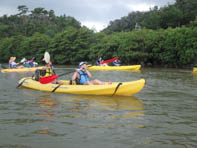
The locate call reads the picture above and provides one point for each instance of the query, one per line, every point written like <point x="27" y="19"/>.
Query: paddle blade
<point x="23" y="60"/>
<point x="48" y="79"/>
<point x="108" y="61"/>
<point x="46" y="57"/>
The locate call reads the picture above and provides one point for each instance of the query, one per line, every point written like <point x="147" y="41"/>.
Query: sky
<point x="95" y="14"/>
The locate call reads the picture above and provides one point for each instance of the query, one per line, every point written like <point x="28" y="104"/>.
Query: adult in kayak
<point x="116" y="63"/>
<point x="82" y="75"/>
<point x="99" y="61"/>
<point x="45" y="72"/>
<point x="13" y="64"/>
<point x="32" y="62"/>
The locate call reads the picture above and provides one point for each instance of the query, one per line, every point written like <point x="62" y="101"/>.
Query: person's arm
<point x="88" y="73"/>
<point x="75" y="75"/>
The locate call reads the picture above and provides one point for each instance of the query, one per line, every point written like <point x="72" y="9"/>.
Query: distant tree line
<point x="31" y="33"/>
<point x="175" y="15"/>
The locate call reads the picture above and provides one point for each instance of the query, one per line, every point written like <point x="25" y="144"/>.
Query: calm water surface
<point x="163" y="114"/>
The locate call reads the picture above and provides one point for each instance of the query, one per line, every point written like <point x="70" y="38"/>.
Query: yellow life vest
<point x="47" y="72"/>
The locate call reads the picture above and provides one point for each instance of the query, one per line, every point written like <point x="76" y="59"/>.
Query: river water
<point x="163" y="114"/>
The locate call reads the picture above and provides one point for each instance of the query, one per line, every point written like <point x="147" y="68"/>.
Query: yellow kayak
<point x="130" y="67"/>
<point x="32" y="69"/>
<point x="114" y="88"/>
<point x="195" y="70"/>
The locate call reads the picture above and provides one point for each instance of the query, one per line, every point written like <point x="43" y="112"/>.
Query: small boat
<point x="130" y="67"/>
<point x="108" y="89"/>
<point x="195" y="70"/>
<point x="32" y="69"/>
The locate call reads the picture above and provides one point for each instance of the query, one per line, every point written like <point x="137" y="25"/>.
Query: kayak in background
<point x="31" y="69"/>
<point x="195" y="70"/>
<point x="130" y="67"/>
<point x="108" y="89"/>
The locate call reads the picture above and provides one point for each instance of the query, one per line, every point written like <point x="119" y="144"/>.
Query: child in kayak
<point x="82" y="75"/>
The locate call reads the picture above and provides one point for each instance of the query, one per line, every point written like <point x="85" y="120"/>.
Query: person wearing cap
<point x="82" y="75"/>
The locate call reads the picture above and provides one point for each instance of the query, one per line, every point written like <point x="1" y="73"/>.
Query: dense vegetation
<point x="168" y="37"/>
<point x="176" y="15"/>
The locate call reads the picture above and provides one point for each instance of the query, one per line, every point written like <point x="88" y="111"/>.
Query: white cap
<point x="81" y="63"/>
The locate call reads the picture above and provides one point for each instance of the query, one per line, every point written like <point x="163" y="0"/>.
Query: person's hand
<point x="85" y="68"/>
<point x="76" y="70"/>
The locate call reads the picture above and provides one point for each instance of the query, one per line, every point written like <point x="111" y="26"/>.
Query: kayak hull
<point x="130" y="67"/>
<point x="123" y="89"/>
<point x="21" y="69"/>
<point x="195" y="70"/>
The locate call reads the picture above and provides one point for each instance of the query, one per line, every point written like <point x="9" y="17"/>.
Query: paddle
<point x="46" y="57"/>
<point x="48" y="79"/>
<point x="23" y="60"/>
<point x="108" y="61"/>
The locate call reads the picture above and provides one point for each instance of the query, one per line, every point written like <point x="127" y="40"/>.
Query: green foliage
<point x="67" y="42"/>
<point x="72" y="45"/>
<point x="182" y="12"/>
<point x="38" y="20"/>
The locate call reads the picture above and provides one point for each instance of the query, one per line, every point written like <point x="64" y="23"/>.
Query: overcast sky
<point x="92" y="13"/>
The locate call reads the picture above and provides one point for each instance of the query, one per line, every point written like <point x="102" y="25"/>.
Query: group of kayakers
<point x="25" y="63"/>
<point x="81" y="75"/>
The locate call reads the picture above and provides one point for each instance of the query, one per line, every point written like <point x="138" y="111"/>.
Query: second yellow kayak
<point x="195" y="70"/>
<point x="130" y="67"/>
<point x="32" y="69"/>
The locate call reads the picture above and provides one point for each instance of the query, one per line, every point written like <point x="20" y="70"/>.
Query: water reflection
<point x="124" y="107"/>
<point x="46" y="102"/>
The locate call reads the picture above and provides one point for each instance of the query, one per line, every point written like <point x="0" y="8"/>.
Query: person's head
<point x="10" y="59"/>
<point x="82" y="66"/>
<point x="48" y="65"/>
<point x="13" y="59"/>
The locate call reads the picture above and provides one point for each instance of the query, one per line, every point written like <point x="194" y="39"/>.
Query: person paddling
<point x="46" y="71"/>
<point x="99" y="61"/>
<point x="13" y="64"/>
<point x="116" y="63"/>
<point x="82" y="75"/>
<point x="30" y="63"/>
<point x="49" y="71"/>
